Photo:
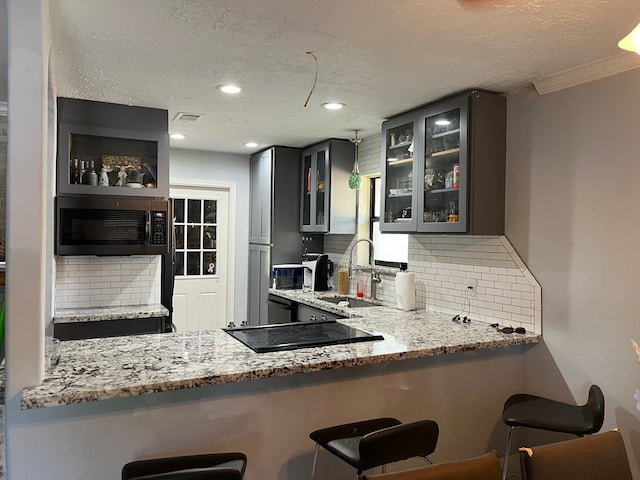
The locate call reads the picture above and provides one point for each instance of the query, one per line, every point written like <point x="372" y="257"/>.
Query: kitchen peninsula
<point x="102" y="369"/>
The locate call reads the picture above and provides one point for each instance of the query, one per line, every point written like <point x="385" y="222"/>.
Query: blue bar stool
<point x="372" y="443"/>
<point x="523" y="410"/>
<point x="213" y="466"/>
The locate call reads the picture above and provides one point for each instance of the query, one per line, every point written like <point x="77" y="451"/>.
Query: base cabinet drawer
<point x="308" y="314"/>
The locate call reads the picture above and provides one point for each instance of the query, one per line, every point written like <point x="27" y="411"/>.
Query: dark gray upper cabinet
<point x="112" y="149"/>
<point x="260" y="198"/>
<point x="443" y="167"/>
<point x="273" y="202"/>
<point x="328" y="205"/>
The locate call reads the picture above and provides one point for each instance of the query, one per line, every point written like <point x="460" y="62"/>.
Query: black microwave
<point x="92" y="225"/>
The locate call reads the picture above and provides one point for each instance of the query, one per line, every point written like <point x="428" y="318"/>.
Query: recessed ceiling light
<point x="229" y="88"/>
<point x="443" y="122"/>
<point x="333" y="105"/>
<point x="250" y="144"/>
<point x="177" y="136"/>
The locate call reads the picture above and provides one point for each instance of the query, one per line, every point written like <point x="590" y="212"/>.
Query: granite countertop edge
<point x="117" y="367"/>
<point x="98" y="314"/>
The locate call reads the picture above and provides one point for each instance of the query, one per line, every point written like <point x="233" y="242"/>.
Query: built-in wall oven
<point x="94" y="225"/>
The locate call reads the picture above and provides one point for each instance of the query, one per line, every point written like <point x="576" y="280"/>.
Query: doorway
<point x="201" y="298"/>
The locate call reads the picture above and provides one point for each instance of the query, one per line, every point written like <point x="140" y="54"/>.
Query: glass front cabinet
<point x="104" y="161"/>
<point x="328" y="205"/>
<point x="315" y="199"/>
<point x="401" y="143"/>
<point x="443" y="167"/>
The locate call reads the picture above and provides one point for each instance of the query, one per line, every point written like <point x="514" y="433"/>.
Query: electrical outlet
<point x="472" y="286"/>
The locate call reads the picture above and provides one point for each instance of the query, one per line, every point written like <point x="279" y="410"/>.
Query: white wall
<point x="29" y="194"/>
<point x="214" y="167"/>
<point x="573" y="214"/>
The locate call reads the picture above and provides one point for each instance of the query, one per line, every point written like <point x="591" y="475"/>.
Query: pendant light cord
<point x="315" y="80"/>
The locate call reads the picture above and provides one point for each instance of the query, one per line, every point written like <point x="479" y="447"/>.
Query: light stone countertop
<point x="106" y="368"/>
<point x="98" y="314"/>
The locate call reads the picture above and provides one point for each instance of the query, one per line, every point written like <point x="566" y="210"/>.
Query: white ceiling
<point x="380" y="57"/>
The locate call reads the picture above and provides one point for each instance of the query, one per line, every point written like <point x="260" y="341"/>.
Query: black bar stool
<point x="213" y="466"/>
<point x="523" y="410"/>
<point x="372" y="443"/>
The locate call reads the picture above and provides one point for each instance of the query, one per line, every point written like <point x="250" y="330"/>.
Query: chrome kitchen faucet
<point x="375" y="276"/>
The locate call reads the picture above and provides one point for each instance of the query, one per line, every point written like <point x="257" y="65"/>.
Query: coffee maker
<point x="316" y="272"/>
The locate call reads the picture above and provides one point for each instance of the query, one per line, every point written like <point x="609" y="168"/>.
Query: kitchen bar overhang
<point x="119" y="367"/>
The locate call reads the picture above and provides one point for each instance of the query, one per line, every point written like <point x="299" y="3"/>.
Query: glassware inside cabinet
<point x="306" y="194"/>
<point x="399" y="173"/>
<point x="442" y="167"/>
<point x="321" y="175"/>
<point x="112" y="162"/>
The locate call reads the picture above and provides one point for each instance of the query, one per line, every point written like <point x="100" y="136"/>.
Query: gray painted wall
<point x="200" y="166"/>
<point x="573" y="205"/>
<point x="3" y="51"/>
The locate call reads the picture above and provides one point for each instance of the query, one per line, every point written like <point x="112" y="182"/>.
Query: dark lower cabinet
<point x="108" y="328"/>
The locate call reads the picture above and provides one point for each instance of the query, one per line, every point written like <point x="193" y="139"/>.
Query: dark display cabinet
<point x="112" y="149"/>
<point x="444" y="167"/>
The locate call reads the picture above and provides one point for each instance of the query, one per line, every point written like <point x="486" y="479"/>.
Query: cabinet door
<point x="260" y="198"/>
<point x="316" y="188"/>
<point x="442" y="201"/>
<point x="104" y="161"/>
<point x="259" y="277"/>
<point x="401" y="144"/>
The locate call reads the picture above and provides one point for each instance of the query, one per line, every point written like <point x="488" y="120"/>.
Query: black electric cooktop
<point x="290" y="336"/>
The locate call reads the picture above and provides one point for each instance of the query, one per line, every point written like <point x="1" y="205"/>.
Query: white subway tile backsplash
<point x="107" y="281"/>
<point x="506" y="292"/>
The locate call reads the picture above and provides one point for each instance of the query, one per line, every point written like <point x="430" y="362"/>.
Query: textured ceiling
<point x="380" y="57"/>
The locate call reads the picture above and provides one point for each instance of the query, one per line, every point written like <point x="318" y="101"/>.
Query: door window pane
<point x="178" y="210"/>
<point x="193" y="263"/>
<point x="179" y="263"/>
<point x="209" y="265"/>
<point x="193" y="236"/>
<point x="209" y="237"/>
<point x="196" y="237"/>
<point x="179" y="236"/>
<point x="210" y="211"/>
<point x="194" y="211"/>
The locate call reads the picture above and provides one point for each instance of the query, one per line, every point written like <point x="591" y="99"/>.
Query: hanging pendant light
<point x="355" y="180"/>
<point x="632" y="41"/>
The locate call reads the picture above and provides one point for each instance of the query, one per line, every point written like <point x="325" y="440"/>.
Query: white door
<point x="201" y="225"/>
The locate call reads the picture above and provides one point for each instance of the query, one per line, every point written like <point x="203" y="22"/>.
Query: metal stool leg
<point x="505" y="464"/>
<point x="315" y="461"/>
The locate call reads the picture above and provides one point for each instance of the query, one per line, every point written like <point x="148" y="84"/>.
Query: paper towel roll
<point x="406" y="290"/>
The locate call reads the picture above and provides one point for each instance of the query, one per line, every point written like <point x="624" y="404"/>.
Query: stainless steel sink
<point x="353" y="302"/>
